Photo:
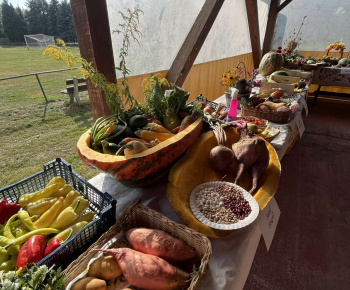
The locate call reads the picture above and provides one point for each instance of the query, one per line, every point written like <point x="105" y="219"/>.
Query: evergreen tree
<point x="1" y="26"/>
<point x="23" y="22"/>
<point x="65" y="26"/>
<point x="52" y="18"/>
<point x="37" y="16"/>
<point x="14" y="26"/>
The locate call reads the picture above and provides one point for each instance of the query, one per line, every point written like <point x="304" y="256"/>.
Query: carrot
<point x="156" y="128"/>
<point x="188" y="120"/>
<point x="147" y="271"/>
<point x="160" y="244"/>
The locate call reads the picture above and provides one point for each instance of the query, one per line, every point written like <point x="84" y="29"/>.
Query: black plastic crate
<point x="201" y="98"/>
<point x="102" y="203"/>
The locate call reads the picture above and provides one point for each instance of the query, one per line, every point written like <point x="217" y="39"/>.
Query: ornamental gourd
<point x="143" y="168"/>
<point x="344" y="62"/>
<point x="271" y="62"/>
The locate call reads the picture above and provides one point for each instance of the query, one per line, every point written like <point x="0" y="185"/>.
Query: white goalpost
<point x="38" y="40"/>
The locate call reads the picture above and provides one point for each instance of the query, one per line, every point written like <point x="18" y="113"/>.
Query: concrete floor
<point x="311" y="247"/>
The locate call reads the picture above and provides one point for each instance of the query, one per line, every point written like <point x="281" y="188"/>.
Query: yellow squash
<point x="194" y="169"/>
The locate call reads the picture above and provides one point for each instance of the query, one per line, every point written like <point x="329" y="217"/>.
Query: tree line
<point x="40" y="17"/>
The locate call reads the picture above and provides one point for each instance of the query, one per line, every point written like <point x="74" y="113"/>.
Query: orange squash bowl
<point x="144" y="168"/>
<point x="194" y="169"/>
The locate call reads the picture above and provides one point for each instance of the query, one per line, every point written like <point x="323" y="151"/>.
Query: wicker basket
<point x="142" y="216"/>
<point x="277" y="117"/>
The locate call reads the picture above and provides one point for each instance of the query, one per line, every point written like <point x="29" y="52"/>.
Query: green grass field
<point x="33" y="133"/>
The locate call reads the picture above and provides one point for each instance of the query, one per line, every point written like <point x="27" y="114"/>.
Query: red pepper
<point x="55" y="243"/>
<point x="31" y="251"/>
<point x="2" y="204"/>
<point x="8" y="211"/>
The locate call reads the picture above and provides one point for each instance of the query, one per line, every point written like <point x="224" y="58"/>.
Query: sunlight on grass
<point x="33" y="132"/>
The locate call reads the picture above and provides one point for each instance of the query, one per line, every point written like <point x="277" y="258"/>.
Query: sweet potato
<point x="105" y="267"/>
<point x="159" y="243"/>
<point x="147" y="271"/>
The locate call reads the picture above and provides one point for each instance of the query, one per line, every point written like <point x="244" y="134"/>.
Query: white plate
<point x="238" y="225"/>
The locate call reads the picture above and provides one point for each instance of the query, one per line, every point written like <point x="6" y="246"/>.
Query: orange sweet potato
<point x="159" y="243"/>
<point x="147" y="271"/>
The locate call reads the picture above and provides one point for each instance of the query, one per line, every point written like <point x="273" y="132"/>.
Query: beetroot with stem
<point x="221" y="157"/>
<point x="251" y="152"/>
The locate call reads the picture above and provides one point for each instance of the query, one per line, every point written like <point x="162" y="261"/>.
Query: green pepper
<point x="43" y="231"/>
<point x="9" y="265"/>
<point x="4" y="241"/>
<point x="7" y="229"/>
<point x="26" y="220"/>
<point x="20" y="232"/>
<point x="4" y="255"/>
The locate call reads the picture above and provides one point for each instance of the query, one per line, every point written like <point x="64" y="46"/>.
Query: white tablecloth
<point x="233" y="255"/>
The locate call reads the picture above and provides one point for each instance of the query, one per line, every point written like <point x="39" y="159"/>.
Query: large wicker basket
<point x="277" y="117"/>
<point x="142" y="216"/>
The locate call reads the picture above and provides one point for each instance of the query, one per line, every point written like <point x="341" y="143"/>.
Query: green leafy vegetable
<point x="33" y="277"/>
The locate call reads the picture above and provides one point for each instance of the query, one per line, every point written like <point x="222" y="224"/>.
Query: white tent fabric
<point x="326" y="22"/>
<point x="166" y="23"/>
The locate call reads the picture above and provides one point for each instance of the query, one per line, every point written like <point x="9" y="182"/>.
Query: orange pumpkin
<point x="143" y="168"/>
<point x="194" y="169"/>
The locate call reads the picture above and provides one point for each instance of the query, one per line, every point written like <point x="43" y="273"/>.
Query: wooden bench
<point x="74" y="86"/>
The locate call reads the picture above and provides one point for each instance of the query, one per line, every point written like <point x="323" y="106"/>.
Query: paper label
<point x="303" y="102"/>
<point x="300" y="125"/>
<point x="268" y="220"/>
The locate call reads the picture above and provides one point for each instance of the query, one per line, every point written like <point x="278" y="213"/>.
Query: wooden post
<point x="283" y="5"/>
<point x="193" y="42"/>
<point x="95" y="44"/>
<point x="76" y="90"/>
<point x="270" y="26"/>
<point x="253" y="22"/>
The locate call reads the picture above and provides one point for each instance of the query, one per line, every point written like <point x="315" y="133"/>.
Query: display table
<point x="232" y="256"/>
<point x="329" y="76"/>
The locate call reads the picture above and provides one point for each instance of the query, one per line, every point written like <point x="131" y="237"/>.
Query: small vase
<point x="228" y="99"/>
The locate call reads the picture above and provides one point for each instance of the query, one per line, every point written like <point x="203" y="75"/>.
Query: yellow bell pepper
<point x="66" y="217"/>
<point x="57" y="179"/>
<point x="48" y="191"/>
<point x="70" y="198"/>
<point x="41" y="205"/>
<point x="49" y="216"/>
<point x="86" y="217"/>
<point x="63" y="191"/>
<point x="83" y="205"/>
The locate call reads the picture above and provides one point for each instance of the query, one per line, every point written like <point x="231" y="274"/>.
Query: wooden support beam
<point x="270" y="26"/>
<point x="283" y="5"/>
<point x="193" y="42"/>
<point x="95" y="44"/>
<point x="253" y="22"/>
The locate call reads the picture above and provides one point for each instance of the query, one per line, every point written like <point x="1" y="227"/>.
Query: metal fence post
<point x="41" y="87"/>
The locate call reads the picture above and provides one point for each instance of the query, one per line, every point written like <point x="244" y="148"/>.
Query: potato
<point x="105" y="267"/>
<point x="90" y="283"/>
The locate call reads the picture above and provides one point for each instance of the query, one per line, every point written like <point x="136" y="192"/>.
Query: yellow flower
<point x="84" y="72"/>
